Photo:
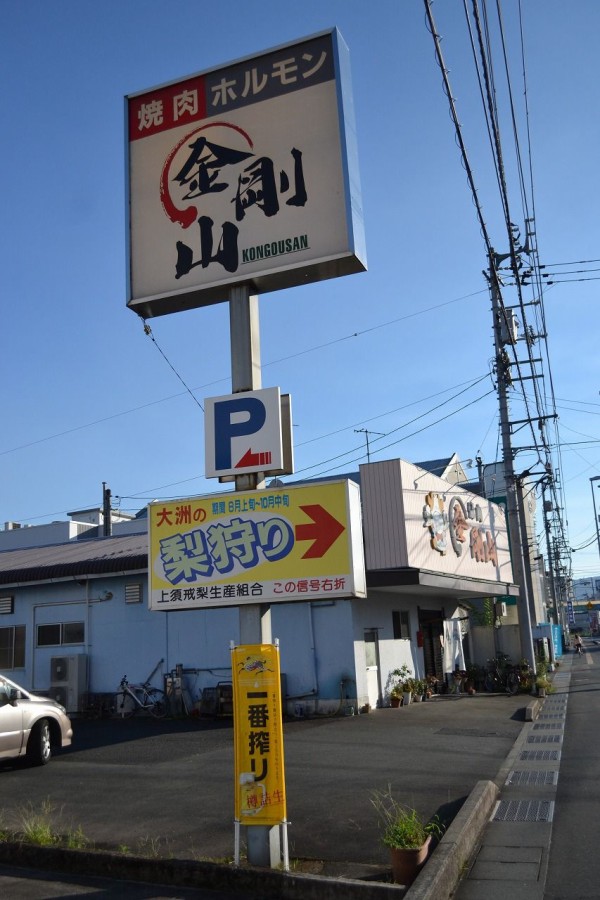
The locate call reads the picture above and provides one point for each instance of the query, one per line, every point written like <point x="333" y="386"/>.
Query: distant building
<point x="82" y="522"/>
<point x="586" y="589"/>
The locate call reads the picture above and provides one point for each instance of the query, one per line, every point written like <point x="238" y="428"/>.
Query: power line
<point x="470" y="383"/>
<point x="148" y="331"/>
<point x="149" y="491"/>
<point x="393" y="443"/>
<point x="456" y="123"/>
<point x="507" y="356"/>
<point x="208" y="384"/>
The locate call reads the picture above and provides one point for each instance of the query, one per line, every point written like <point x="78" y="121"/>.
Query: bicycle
<point x="132" y="697"/>
<point x="502" y="676"/>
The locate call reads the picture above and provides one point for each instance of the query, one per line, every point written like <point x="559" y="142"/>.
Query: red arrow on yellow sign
<point x="324" y="531"/>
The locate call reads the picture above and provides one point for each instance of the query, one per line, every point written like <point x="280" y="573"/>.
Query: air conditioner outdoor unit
<point x="60" y="693"/>
<point x="68" y="680"/>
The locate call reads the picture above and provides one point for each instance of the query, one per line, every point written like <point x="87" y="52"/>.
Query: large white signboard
<point x="246" y="174"/>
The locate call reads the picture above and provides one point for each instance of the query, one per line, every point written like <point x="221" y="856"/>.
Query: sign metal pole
<point x="264" y="845"/>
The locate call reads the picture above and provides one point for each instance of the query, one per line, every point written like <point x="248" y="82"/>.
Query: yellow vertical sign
<point x="258" y="735"/>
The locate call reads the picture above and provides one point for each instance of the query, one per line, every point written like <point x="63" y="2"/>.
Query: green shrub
<point x="403" y="827"/>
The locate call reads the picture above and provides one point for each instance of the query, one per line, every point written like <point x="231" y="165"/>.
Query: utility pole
<point x="512" y="503"/>
<point x="546" y="505"/>
<point x="595" y="478"/>
<point x="106" y="511"/>
<point x="520" y="485"/>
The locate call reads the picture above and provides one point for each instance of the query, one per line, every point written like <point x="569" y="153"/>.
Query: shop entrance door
<point x="431" y="626"/>
<point x="373" y="669"/>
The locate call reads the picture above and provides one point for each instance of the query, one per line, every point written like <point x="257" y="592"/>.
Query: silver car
<point x="31" y="726"/>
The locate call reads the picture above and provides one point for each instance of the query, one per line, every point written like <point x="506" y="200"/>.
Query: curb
<point x="437" y="880"/>
<point x="444" y="869"/>
<point x="532" y="710"/>
<point x="268" y="884"/>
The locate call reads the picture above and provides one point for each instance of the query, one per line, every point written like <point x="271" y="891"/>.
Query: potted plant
<point x="396" y="695"/>
<point x="406" y="833"/>
<point x="418" y="690"/>
<point x="542" y="684"/>
<point x="408" y="688"/>
<point x="402" y="685"/>
<point x="459" y="677"/>
<point x="472" y="683"/>
<point x="432" y="685"/>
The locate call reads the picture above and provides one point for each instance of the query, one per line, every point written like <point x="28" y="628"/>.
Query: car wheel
<point x="39" y="750"/>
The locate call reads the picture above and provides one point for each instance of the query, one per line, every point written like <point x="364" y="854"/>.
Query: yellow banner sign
<point x="290" y="543"/>
<point x="258" y="735"/>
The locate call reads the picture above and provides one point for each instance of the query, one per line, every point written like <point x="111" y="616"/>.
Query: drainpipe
<point x="315" y="688"/>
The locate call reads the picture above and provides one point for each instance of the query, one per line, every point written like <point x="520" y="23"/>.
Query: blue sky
<point x="87" y="397"/>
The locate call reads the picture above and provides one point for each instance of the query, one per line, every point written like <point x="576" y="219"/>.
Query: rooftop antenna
<point x="366" y="434"/>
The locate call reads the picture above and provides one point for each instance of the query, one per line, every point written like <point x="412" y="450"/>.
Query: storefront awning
<point x="409" y="580"/>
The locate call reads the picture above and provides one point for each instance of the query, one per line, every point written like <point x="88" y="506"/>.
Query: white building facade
<point x="74" y="616"/>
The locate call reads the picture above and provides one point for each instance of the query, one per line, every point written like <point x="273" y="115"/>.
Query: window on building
<point x="60" y="633"/>
<point x="401" y="624"/>
<point x="12" y="647"/>
<point x="73" y="633"/>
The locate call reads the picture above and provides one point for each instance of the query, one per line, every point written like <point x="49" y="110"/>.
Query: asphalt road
<point x="32" y="884"/>
<point x="164" y="788"/>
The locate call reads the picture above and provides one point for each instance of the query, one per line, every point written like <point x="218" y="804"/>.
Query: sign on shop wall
<point x="416" y="519"/>
<point x="295" y="543"/>
<point x="244" y="174"/>
<point x="460" y="533"/>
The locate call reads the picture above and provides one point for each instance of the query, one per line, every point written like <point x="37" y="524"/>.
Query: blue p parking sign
<point x="237" y="417"/>
<point x="243" y="433"/>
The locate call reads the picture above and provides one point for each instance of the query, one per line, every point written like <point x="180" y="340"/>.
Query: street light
<point x="592" y="479"/>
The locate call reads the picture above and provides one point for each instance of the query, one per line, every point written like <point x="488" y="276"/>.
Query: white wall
<point x="376" y="612"/>
<point x="482" y="644"/>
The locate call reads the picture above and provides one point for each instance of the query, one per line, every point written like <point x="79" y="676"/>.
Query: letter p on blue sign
<point x="243" y="433"/>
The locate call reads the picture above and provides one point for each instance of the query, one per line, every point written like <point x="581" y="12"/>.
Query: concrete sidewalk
<point x="513" y="851"/>
<point x="444" y="757"/>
